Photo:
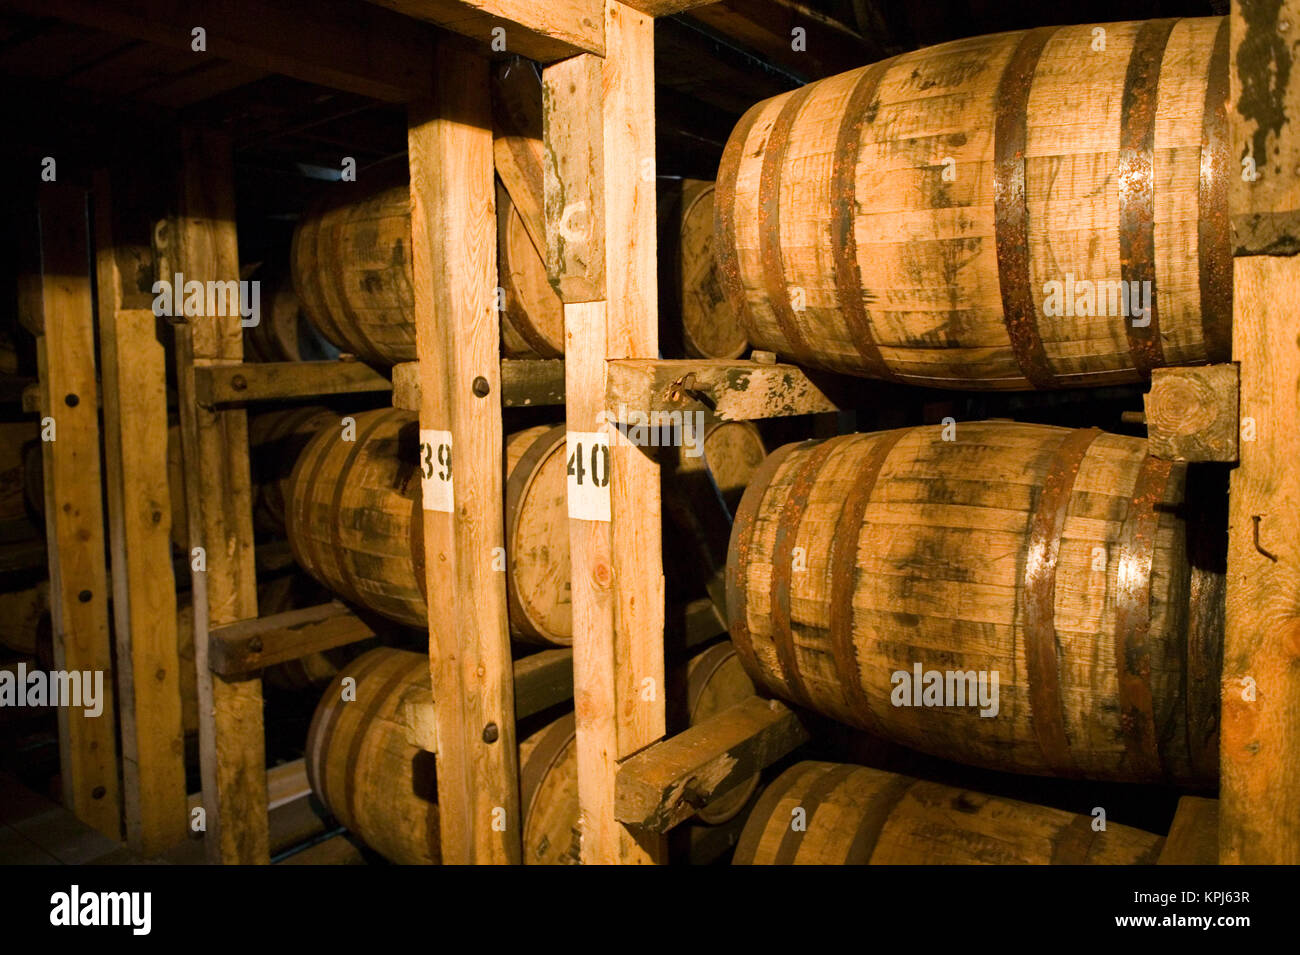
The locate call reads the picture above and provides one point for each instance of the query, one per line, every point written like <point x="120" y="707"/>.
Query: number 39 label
<point x="435" y="470"/>
<point x="587" y="454"/>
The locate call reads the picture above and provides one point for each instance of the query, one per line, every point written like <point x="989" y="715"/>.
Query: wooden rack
<point x="634" y="784"/>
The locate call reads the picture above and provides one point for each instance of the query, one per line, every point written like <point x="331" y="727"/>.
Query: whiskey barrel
<point x="275" y="440"/>
<point x="1049" y="557"/>
<point x="355" y="522"/>
<point x="696" y="319"/>
<point x="364" y="763"/>
<point x="715" y="680"/>
<point x="532" y="316"/>
<point x="853" y="815"/>
<point x="283" y="333"/>
<point x="928" y="219"/>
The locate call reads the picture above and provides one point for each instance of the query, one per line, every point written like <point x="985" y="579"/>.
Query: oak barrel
<point x="275" y="440"/>
<point x="355" y="522"/>
<point x="283" y="333"/>
<point x="930" y="218"/>
<point x="697" y="320"/>
<point x="532" y="315"/>
<point x="364" y="763"/>
<point x="868" y="573"/>
<point x="853" y="815"/>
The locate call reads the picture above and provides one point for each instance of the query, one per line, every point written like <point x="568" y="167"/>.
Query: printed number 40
<point x="597" y="472"/>
<point x="444" y="461"/>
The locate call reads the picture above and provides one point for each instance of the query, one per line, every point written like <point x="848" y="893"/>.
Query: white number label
<point x="435" y="470"/>
<point x="587" y="454"/>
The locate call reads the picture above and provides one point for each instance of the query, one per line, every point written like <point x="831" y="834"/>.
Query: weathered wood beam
<point x="1191" y="413"/>
<point x="544" y="32"/>
<point x="670" y="781"/>
<point x="262" y="381"/>
<point x="342" y="44"/>
<point x="74" y="517"/>
<point x="199" y="242"/>
<point x="731" y="390"/>
<point x="524" y="383"/>
<point x="458" y="340"/>
<point x="134" y="385"/>
<point x="251" y="645"/>
<point x="791" y="34"/>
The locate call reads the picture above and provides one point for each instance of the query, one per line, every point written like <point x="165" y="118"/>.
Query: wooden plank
<point x="254" y="644"/>
<point x="574" y="178"/>
<point x="1259" y="809"/>
<point x="666" y="8"/>
<point x="525" y="383"/>
<point x="264" y="381"/>
<point x="543" y="680"/>
<point x="666" y="784"/>
<point x="343" y="44"/>
<point x="74" y="518"/>
<point x="200" y="243"/>
<point x="1194" y="835"/>
<point x="517" y="142"/>
<point x="134" y="390"/>
<point x="458" y="340"/>
<point x="1191" y="413"/>
<point x="731" y="390"/>
<point x="1264" y="118"/>
<point x="617" y="565"/>
<point x="540" y="31"/>
<point x="824" y="48"/>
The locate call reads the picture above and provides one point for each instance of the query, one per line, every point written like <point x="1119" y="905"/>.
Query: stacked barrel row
<point x="1032" y="210"/>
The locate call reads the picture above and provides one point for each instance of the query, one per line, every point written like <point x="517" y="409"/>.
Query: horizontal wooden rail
<point x="731" y="390"/>
<point x="667" y="783"/>
<point x="267" y="381"/>
<point x="253" y="644"/>
<point x="524" y="384"/>
<point x="542" y="31"/>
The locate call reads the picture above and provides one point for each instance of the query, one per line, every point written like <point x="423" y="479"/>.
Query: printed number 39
<point x="598" y="470"/>
<point x="444" y="459"/>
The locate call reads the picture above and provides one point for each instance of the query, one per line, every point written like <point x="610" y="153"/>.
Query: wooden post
<point x="1259" y="811"/>
<point x="134" y="386"/>
<point x="200" y="244"/>
<point x="74" y="516"/>
<point x="599" y="132"/>
<point x="458" y="341"/>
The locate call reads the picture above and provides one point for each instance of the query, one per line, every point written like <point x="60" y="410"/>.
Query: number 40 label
<point x="587" y="454"/>
<point x="435" y="470"/>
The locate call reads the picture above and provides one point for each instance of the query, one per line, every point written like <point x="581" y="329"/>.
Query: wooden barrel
<point x="697" y="319"/>
<point x="351" y="263"/>
<point x="929" y="219"/>
<point x="853" y="815"/>
<point x="365" y="765"/>
<point x="276" y="439"/>
<point x="283" y="333"/>
<point x="355" y="522"/>
<point x="733" y="451"/>
<point x="532" y="316"/>
<point x="1049" y="558"/>
<point x="715" y="680"/>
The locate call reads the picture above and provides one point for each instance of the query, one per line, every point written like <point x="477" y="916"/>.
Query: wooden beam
<point x="459" y="345"/>
<point x="669" y="782"/>
<point x="1194" y="834"/>
<point x="1264" y="118"/>
<point x="200" y="243"/>
<point x="823" y="48"/>
<point x="544" y="32"/>
<point x="1260" y="725"/>
<point x="134" y="385"/>
<point x="262" y="381"/>
<point x="543" y="680"/>
<point x="615" y="541"/>
<point x="254" y="644"/>
<point x="74" y="517"/>
<point x="666" y="8"/>
<point x="342" y="44"/>
<point x="731" y="390"/>
<point x="1191" y="413"/>
<point x="525" y="383"/>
